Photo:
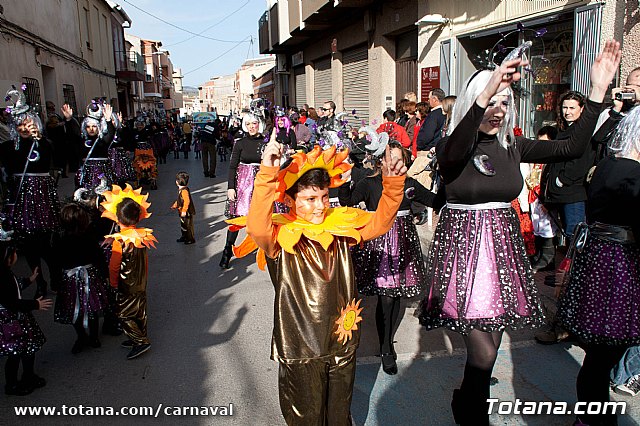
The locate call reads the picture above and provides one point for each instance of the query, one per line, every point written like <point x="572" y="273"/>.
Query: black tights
<point x="387" y="321"/>
<point x="592" y="383"/>
<point x="94" y="325"/>
<point x="12" y="365"/>
<point x="482" y="351"/>
<point x="38" y="247"/>
<point x="232" y="236"/>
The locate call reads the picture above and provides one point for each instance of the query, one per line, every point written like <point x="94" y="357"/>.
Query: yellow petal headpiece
<point x="330" y="160"/>
<point x="117" y="195"/>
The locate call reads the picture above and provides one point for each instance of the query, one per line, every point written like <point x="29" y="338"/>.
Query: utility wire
<point x="211" y="26"/>
<point x="180" y="28"/>
<point x="219" y="56"/>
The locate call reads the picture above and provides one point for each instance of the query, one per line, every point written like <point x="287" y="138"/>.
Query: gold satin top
<point x="305" y="315"/>
<point x="133" y="270"/>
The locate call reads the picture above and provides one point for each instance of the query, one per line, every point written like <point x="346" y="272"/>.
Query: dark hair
<point x="314" y="178"/>
<point x="571" y="95"/>
<point x="401" y="105"/>
<point x="423" y="108"/>
<point x="128" y="212"/>
<point x="313" y="114"/>
<point x="389" y="115"/>
<point x="549" y="131"/>
<point x="182" y="178"/>
<point x="438" y="93"/>
<point x="74" y="219"/>
<point x="331" y="104"/>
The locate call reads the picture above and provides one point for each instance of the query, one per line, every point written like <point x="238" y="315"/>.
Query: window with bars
<point x="69" y="94"/>
<point x="32" y="93"/>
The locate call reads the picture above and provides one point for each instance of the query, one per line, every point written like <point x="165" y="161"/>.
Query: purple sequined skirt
<point x="479" y="275"/>
<point x="82" y="295"/>
<point x="392" y="264"/>
<point x="122" y="165"/>
<point x="89" y="176"/>
<point x="245" y="176"/>
<point x="601" y="304"/>
<point x="37" y="207"/>
<point x="21" y="337"/>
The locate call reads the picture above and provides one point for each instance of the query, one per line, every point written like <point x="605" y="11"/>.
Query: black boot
<point x="546" y="260"/>
<point x="226" y="257"/>
<point x="458" y="408"/>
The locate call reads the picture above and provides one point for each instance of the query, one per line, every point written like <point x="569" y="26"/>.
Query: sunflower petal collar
<point x="338" y="222"/>
<point x="139" y="237"/>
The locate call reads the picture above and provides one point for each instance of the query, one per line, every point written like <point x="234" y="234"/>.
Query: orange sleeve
<point x="185" y="200"/>
<point x="174" y="205"/>
<point x="114" y="263"/>
<point x="385" y="214"/>
<point x="259" y="224"/>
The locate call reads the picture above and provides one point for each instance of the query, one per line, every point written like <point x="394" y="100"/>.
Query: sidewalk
<point x="430" y="366"/>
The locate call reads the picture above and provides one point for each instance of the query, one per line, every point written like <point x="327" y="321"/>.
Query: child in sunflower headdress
<point x="316" y="331"/>
<point x="129" y="264"/>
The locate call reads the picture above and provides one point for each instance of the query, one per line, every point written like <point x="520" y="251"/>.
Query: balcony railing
<point x="129" y="66"/>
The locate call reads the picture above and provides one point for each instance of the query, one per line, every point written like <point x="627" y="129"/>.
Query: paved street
<point x="211" y="331"/>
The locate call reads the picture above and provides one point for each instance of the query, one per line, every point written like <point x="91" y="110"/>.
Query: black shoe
<point x="186" y="243"/>
<point x="127" y="344"/>
<point x="78" y="346"/>
<point x="95" y="343"/>
<point x="389" y="365"/>
<point x="18" y="389"/>
<point x="180" y="240"/>
<point x="206" y="174"/>
<point x="138" y="350"/>
<point x="212" y="175"/>
<point x="34" y="382"/>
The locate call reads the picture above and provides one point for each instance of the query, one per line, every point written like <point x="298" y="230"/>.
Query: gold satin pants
<point x="132" y="311"/>
<point x="317" y="393"/>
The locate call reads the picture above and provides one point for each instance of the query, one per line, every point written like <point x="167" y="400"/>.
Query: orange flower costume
<point x="316" y="315"/>
<point x="128" y="266"/>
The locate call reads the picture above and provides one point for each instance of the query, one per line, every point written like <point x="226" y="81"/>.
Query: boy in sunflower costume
<point x="128" y="266"/>
<point x="316" y="316"/>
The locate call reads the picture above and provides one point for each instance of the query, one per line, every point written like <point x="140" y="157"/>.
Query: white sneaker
<point x="631" y="388"/>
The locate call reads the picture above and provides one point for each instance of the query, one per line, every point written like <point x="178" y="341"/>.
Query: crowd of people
<point x="332" y="209"/>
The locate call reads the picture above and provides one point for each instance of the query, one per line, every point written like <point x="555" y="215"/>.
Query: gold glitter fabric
<point x="305" y="314"/>
<point x="132" y="300"/>
<point x="332" y="382"/>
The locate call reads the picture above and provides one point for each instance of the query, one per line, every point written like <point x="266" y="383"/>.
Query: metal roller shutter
<point x="355" y="75"/>
<point x="301" y="86"/>
<point x="322" y="82"/>
<point x="586" y="45"/>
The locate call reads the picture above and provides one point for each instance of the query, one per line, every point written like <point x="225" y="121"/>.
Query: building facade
<point x="62" y="50"/>
<point x="219" y="94"/>
<point x="365" y="55"/>
<point x="248" y="72"/>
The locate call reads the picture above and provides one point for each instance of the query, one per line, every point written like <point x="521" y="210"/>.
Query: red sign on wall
<point x="429" y="80"/>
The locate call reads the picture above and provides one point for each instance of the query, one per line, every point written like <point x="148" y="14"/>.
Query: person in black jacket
<point x="431" y="130"/>
<point x="562" y="186"/>
<point x="20" y="334"/>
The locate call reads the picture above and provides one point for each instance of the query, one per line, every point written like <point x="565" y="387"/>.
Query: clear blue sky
<point x="196" y="16"/>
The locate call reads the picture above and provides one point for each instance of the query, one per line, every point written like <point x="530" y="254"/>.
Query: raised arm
<point x="393" y="177"/>
<point x="259" y="223"/>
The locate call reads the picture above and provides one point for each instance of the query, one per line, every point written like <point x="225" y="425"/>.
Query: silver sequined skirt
<point x="392" y="264"/>
<point x="479" y="276"/>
